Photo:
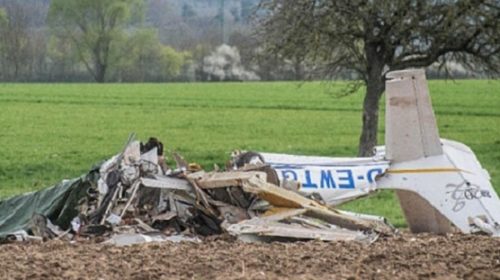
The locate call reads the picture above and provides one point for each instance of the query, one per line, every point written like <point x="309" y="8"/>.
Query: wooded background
<point x="155" y="41"/>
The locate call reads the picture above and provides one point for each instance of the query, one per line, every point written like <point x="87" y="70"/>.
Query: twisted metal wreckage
<point x="135" y="197"/>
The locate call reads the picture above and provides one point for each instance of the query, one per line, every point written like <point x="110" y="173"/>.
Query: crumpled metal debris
<point x="138" y="198"/>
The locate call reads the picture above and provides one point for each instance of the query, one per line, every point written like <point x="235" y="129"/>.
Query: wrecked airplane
<point x="134" y="197"/>
<point x="440" y="183"/>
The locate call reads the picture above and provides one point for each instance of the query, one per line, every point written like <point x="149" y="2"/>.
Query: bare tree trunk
<point x="375" y="86"/>
<point x="368" y="139"/>
<point x="100" y="73"/>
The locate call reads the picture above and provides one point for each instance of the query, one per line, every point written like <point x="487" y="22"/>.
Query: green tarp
<point x="58" y="203"/>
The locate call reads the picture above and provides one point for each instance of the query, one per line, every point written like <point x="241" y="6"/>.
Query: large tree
<point x="15" y="43"/>
<point x="95" y="27"/>
<point x="370" y="38"/>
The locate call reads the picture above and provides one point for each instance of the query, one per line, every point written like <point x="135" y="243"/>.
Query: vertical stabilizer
<point x="411" y="130"/>
<point x="438" y="182"/>
<point x="411" y="133"/>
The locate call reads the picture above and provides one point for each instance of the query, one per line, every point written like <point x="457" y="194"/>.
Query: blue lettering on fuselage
<point x="348" y="179"/>
<point x="289" y="175"/>
<point x="370" y="174"/>
<point x="308" y="183"/>
<point x="331" y="178"/>
<point x="327" y="180"/>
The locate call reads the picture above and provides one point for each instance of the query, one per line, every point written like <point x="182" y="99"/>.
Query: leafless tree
<point x="371" y="38"/>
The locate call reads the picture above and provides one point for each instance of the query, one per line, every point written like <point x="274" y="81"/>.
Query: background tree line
<point x="134" y="41"/>
<point x="152" y="41"/>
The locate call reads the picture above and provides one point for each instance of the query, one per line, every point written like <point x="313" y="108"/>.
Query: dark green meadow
<point x="54" y="131"/>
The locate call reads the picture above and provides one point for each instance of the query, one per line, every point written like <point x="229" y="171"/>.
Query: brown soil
<point x="406" y="257"/>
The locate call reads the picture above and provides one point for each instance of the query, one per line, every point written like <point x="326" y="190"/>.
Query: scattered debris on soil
<point x="403" y="257"/>
<point x="187" y="223"/>
<point x="134" y="197"/>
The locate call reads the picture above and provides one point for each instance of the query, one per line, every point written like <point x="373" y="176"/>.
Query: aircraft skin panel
<point x="434" y="192"/>
<point x="428" y="218"/>
<point x="411" y="133"/>
<point x="336" y="180"/>
<point x="453" y="183"/>
<point x="285" y="159"/>
<point x="411" y="130"/>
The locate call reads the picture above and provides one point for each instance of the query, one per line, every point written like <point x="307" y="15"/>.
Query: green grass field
<point x="56" y="131"/>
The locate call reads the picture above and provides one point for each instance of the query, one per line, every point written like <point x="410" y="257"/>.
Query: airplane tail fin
<point x="411" y="129"/>
<point x="411" y="133"/>
<point x="438" y="182"/>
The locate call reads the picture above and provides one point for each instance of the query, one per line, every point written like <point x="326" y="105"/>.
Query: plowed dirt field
<point x="404" y="257"/>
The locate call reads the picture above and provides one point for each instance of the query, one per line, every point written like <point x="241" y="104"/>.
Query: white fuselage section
<point x="336" y="180"/>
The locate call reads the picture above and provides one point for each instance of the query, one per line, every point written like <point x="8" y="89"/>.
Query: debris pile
<point x="135" y="197"/>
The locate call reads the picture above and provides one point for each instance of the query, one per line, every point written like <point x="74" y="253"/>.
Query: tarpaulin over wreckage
<point x="58" y="203"/>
